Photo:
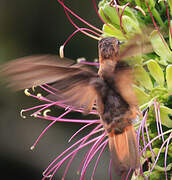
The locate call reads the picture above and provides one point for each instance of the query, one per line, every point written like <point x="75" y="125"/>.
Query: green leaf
<point x="160" y="46"/>
<point x="170" y="38"/>
<point x="130" y="25"/>
<point x="137" y="177"/>
<point x="156" y="71"/>
<point x="169" y="77"/>
<point x="112" y="31"/>
<point x="155" y="150"/>
<point x="170" y="3"/>
<point x="170" y="150"/>
<point x="142" y="97"/>
<point x="162" y="169"/>
<point x="138" y="3"/>
<point x="164" y="113"/>
<point x="109" y="15"/>
<point x="130" y="13"/>
<point x="152" y="4"/>
<point x="155" y="175"/>
<point x="142" y="77"/>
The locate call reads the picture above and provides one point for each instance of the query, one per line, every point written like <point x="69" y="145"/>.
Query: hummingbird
<point x="80" y="87"/>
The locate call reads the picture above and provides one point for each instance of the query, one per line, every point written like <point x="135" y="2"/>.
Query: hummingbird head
<point x="108" y="55"/>
<point x="108" y="49"/>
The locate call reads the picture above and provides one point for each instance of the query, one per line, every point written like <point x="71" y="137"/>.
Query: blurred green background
<point x="39" y="27"/>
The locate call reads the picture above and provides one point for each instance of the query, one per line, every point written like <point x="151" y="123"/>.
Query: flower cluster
<point x="153" y="88"/>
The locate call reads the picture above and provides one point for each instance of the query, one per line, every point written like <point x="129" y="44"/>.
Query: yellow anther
<point x="21" y="114"/>
<point x="141" y="10"/>
<point x="80" y="59"/>
<point x="32" y="148"/>
<point x="96" y="60"/>
<point x="26" y="91"/>
<point x="61" y="51"/>
<point x="35" y="114"/>
<point x="45" y="112"/>
<point x="46" y="176"/>
<point x="33" y="88"/>
<point x="39" y="95"/>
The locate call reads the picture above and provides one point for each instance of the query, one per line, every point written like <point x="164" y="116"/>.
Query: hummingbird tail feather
<point x="124" y="151"/>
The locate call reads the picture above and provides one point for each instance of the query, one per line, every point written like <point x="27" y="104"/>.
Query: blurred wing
<point x="51" y="60"/>
<point x="33" y="70"/>
<point x="124" y="81"/>
<point x="77" y="90"/>
<point x="72" y="82"/>
<point x="137" y="45"/>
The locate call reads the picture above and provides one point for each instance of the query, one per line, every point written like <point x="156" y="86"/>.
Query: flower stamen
<point x="78" y="17"/>
<point x="21" y="113"/>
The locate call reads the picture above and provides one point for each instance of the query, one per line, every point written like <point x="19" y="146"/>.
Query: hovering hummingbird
<point x="81" y="87"/>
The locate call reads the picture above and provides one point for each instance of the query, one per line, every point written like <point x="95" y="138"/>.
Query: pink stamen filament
<point x="159" y="154"/>
<point x="51" y="118"/>
<point x="50" y="87"/>
<point x="122" y="12"/>
<point x="168" y="18"/>
<point x="43" y="132"/>
<point x="155" y="138"/>
<point x="94" y="3"/>
<point x="104" y="145"/>
<point x="73" y="156"/>
<point x="155" y="25"/>
<point x="91" y="154"/>
<point x="70" y="161"/>
<point x="156" y="114"/>
<point x="63" y="160"/>
<point x="81" y="164"/>
<point x="55" y="168"/>
<point x="147" y="134"/>
<point x="98" y="158"/>
<point x="41" y="98"/>
<point x="160" y="121"/>
<point x="143" y="137"/>
<point x="142" y="128"/>
<point x="165" y="160"/>
<point x="110" y="169"/>
<point x="89" y="124"/>
<point x="82" y="30"/>
<point x="82" y="20"/>
<point x="139" y="130"/>
<point x="47" y="106"/>
<point x="89" y="160"/>
<point x="58" y="103"/>
<point x="35" y="107"/>
<point x="47" y="90"/>
<point x="76" y="143"/>
<point x="128" y="174"/>
<point x="117" y="10"/>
